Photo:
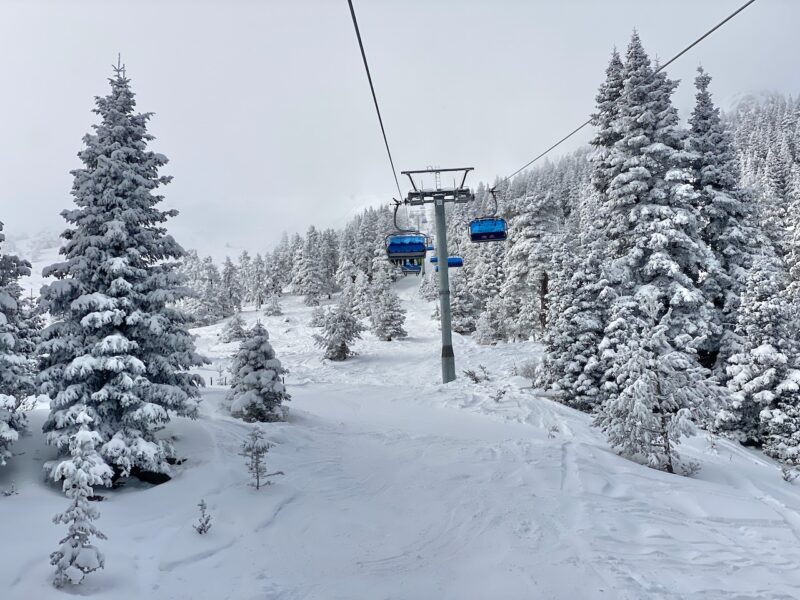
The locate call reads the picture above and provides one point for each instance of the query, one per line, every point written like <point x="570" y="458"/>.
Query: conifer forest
<point x="579" y="380"/>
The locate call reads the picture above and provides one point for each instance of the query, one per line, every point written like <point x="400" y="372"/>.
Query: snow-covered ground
<point x="398" y="487"/>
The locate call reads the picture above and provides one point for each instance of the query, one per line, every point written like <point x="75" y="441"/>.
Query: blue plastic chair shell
<point x="488" y="229"/>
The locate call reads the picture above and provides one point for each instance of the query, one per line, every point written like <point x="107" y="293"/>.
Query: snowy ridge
<point x="399" y="487"/>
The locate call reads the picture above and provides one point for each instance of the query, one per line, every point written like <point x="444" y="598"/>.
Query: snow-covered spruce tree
<point x="651" y="414"/>
<point x="726" y="216"/>
<point x="428" y="286"/>
<point x="76" y="556"/>
<point x="340" y="330"/>
<point x="572" y="365"/>
<point x="257" y="392"/>
<point x="308" y="280"/>
<point x="231" y="291"/>
<point x="490" y="327"/>
<point x="346" y="273"/>
<point x="654" y="251"/>
<point x="360" y="296"/>
<point x="234" y="330"/>
<point x="388" y="314"/>
<point x="117" y="347"/>
<point x="763" y="371"/>
<point x="16" y="380"/>
<point x="573" y="360"/>
<point x="317" y="316"/>
<point x="781" y="430"/>
<point x="329" y="257"/>
<point x="526" y="266"/>
<point x="463" y="305"/>
<point x="213" y="294"/>
<point x="272" y="307"/>
<point x="488" y="274"/>
<point x="257" y="282"/>
<point x="245" y="272"/>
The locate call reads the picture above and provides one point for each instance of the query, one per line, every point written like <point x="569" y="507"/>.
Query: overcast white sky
<point x="264" y="110"/>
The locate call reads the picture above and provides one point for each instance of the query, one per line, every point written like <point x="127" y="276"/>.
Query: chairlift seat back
<point x="489" y="229"/>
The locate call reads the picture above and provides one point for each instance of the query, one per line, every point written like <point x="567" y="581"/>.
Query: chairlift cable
<point x="661" y="68"/>
<point x="374" y="96"/>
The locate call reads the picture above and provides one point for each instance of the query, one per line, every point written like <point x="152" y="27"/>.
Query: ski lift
<point x="488" y="229"/>
<point x="405" y="244"/>
<point x="411" y="268"/>
<point x="453" y="262"/>
<point x="434" y="259"/>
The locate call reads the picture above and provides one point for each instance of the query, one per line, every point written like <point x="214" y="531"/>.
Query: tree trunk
<point x="543" y="300"/>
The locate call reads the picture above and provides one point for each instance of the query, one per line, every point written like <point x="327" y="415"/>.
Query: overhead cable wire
<point x="374" y="96"/>
<point x="661" y="68"/>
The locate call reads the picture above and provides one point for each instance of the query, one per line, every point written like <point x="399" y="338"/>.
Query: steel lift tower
<point x="439" y="196"/>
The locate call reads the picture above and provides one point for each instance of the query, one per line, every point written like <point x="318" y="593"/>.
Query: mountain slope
<point x="399" y="487"/>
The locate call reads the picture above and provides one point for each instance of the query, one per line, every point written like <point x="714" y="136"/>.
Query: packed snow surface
<point x="398" y="487"/>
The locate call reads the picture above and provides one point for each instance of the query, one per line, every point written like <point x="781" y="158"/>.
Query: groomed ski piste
<point x="399" y="487"/>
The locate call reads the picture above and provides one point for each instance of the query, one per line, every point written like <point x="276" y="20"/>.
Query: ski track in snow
<point x="398" y="487"/>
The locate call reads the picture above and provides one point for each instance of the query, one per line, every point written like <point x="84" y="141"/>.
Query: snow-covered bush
<point x="76" y="556"/>
<point x="257" y="391"/>
<point x="317" y="317"/>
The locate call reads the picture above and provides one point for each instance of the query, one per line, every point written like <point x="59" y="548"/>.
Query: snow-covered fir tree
<point x="257" y="392"/>
<point x="464" y="307"/>
<point x="763" y="371"/>
<point x="16" y="377"/>
<point x="231" y="290"/>
<point x="257" y="283"/>
<point x="490" y="327"/>
<point x="308" y="280"/>
<point x="212" y="295"/>
<point x="340" y="330"/>
<point x="656" y="251"/>
<point x="76" y="555"/>
<point x="388" y="314"/>
<point x="662" y="391"/>
<point x="428" y="286"/>
<point x="245" y="271"/>
<point x="329" y="258"/>
<point x="361" y="297"/>
<point x="272" y="307"/>
<point x="345" y="273"/>
<point x="234" y="329"/>
<point x="726" y="216"/>
<point x="572" y="366"/>
<point x="117" y="348"/>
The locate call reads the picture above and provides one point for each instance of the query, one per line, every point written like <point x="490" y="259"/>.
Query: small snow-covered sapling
<point x="204" y="521"/>
<point x="479" y="376"/>
<point x="789" y="474"/>
<point x="254" y="449"/>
